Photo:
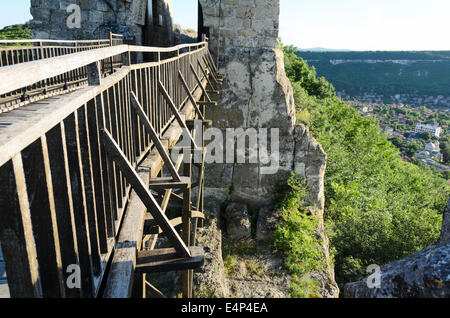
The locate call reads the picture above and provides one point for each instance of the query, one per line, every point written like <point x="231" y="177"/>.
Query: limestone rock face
<point x="267" y="222"/>
<point x="237" y="222"/>
<point x="310" y="162"/>
<point x="445" y="233"/>
<point x="258" y="95"/>
<point x="425" y="274"/>
<point x="210" y="280"/>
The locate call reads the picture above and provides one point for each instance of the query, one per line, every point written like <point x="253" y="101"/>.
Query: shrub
<point x="296" y="237"/>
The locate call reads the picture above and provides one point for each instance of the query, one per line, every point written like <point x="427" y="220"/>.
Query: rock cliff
<point x="258" y="95"/>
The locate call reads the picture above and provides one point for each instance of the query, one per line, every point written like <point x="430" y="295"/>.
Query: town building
<point x="433" y="130"/>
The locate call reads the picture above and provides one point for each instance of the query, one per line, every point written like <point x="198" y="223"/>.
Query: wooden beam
<point x="155" y="290"/>
<point x="167" y="260"/>
<point x="167" y="183"/>
<point x="28" y="124"/>
<point x="188" y="92"/>
<point x="144" y="194"/>
<point x="17" y="76"/>
<point x="152" y="228"/>
<point x="191" y="123"/>
<point x="212" y="62"/>
<point x="211" y="71"/>
<point x="57" y="150"/>
<point x="199" y="82"/>
<point x="206" y="75"/>
<point x="154" y="137"/>
<point x="122" y="271"/>
<point x="43" y="216"/>
<point x="200" y="103"/>
<point x="175" y="111"/>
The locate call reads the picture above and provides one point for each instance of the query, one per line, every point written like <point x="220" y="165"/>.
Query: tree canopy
<point x="378" y="207"/>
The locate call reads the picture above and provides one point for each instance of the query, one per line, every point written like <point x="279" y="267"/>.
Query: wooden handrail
<point x="18" y="76"/>
<point x="149" y="49"/>
<point x="53" y="41"/>
<point x="22" y="75"/>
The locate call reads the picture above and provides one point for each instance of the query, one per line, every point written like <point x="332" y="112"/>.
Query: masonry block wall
<point x="141" y="21"/>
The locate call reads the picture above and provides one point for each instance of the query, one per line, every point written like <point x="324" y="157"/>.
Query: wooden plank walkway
<point x="4" y="290"/>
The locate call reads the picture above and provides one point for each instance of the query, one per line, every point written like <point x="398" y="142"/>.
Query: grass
<point x="246" y="248"/>
<point x="230" y="262"/>
<point x="254" y="268"/>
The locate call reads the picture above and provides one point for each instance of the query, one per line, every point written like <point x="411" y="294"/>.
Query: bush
<point x="296" y="238"/>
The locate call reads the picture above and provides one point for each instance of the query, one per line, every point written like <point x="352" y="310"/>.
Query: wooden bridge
<point x="91" y="161"/>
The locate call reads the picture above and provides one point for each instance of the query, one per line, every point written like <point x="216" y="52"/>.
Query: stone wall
<point x="159" y="29"/>
<point x="132" y="18"/>
<point x="257" y="94"/>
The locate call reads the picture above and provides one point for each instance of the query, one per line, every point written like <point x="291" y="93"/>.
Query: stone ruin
<point x="143" y="22"/>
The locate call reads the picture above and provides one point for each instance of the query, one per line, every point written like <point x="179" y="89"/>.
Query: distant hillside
<point x="417" y="77"/>
<point x="323" y="49"/>
<point x="16" y="32"/>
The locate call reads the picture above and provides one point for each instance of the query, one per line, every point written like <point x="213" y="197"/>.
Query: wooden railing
<point x="34" y="50"/>
<point x="63" y="199"/>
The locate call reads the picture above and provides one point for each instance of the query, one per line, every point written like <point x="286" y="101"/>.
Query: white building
<point x="433" y="130"/>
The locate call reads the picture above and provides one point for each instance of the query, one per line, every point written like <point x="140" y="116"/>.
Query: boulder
<point x="237" y="221"/>
<point x="268" y="220"/>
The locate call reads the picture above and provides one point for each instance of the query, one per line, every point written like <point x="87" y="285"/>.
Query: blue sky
<point x="338" y="24"/>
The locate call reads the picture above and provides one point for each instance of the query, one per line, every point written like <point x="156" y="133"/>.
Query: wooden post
<point x="16" y="232"/>
<point x="186" y="218"/>
<point x="94" y="74"/>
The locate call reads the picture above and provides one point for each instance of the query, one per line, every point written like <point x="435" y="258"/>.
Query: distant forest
<point x="429" y="76"/>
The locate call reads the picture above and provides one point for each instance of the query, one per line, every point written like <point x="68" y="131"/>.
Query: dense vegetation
<point x="16" y="32"/>
<point x="427" y="77"/>
<point x="296" y="238"/>
<point x="378" y="207"/>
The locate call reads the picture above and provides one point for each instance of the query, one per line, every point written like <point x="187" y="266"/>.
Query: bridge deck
<point x="4" y="290"/>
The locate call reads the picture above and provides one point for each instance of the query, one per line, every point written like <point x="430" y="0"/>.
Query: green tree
<point x="378" y="208"/>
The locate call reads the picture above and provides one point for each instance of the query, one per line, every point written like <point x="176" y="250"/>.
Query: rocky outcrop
<point x="425" y="274"/>
<point x="268" y="220"/>
<point x="237" y="222"/>
<point x="310" y="162"/>
<point x="248" y="267"/>
<point x="327" y="282"/>
<point x="184" y="36"/>
<point x="210" y="280"/>
<point x="257" y="95"/>
<point x="252" y="271"/>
